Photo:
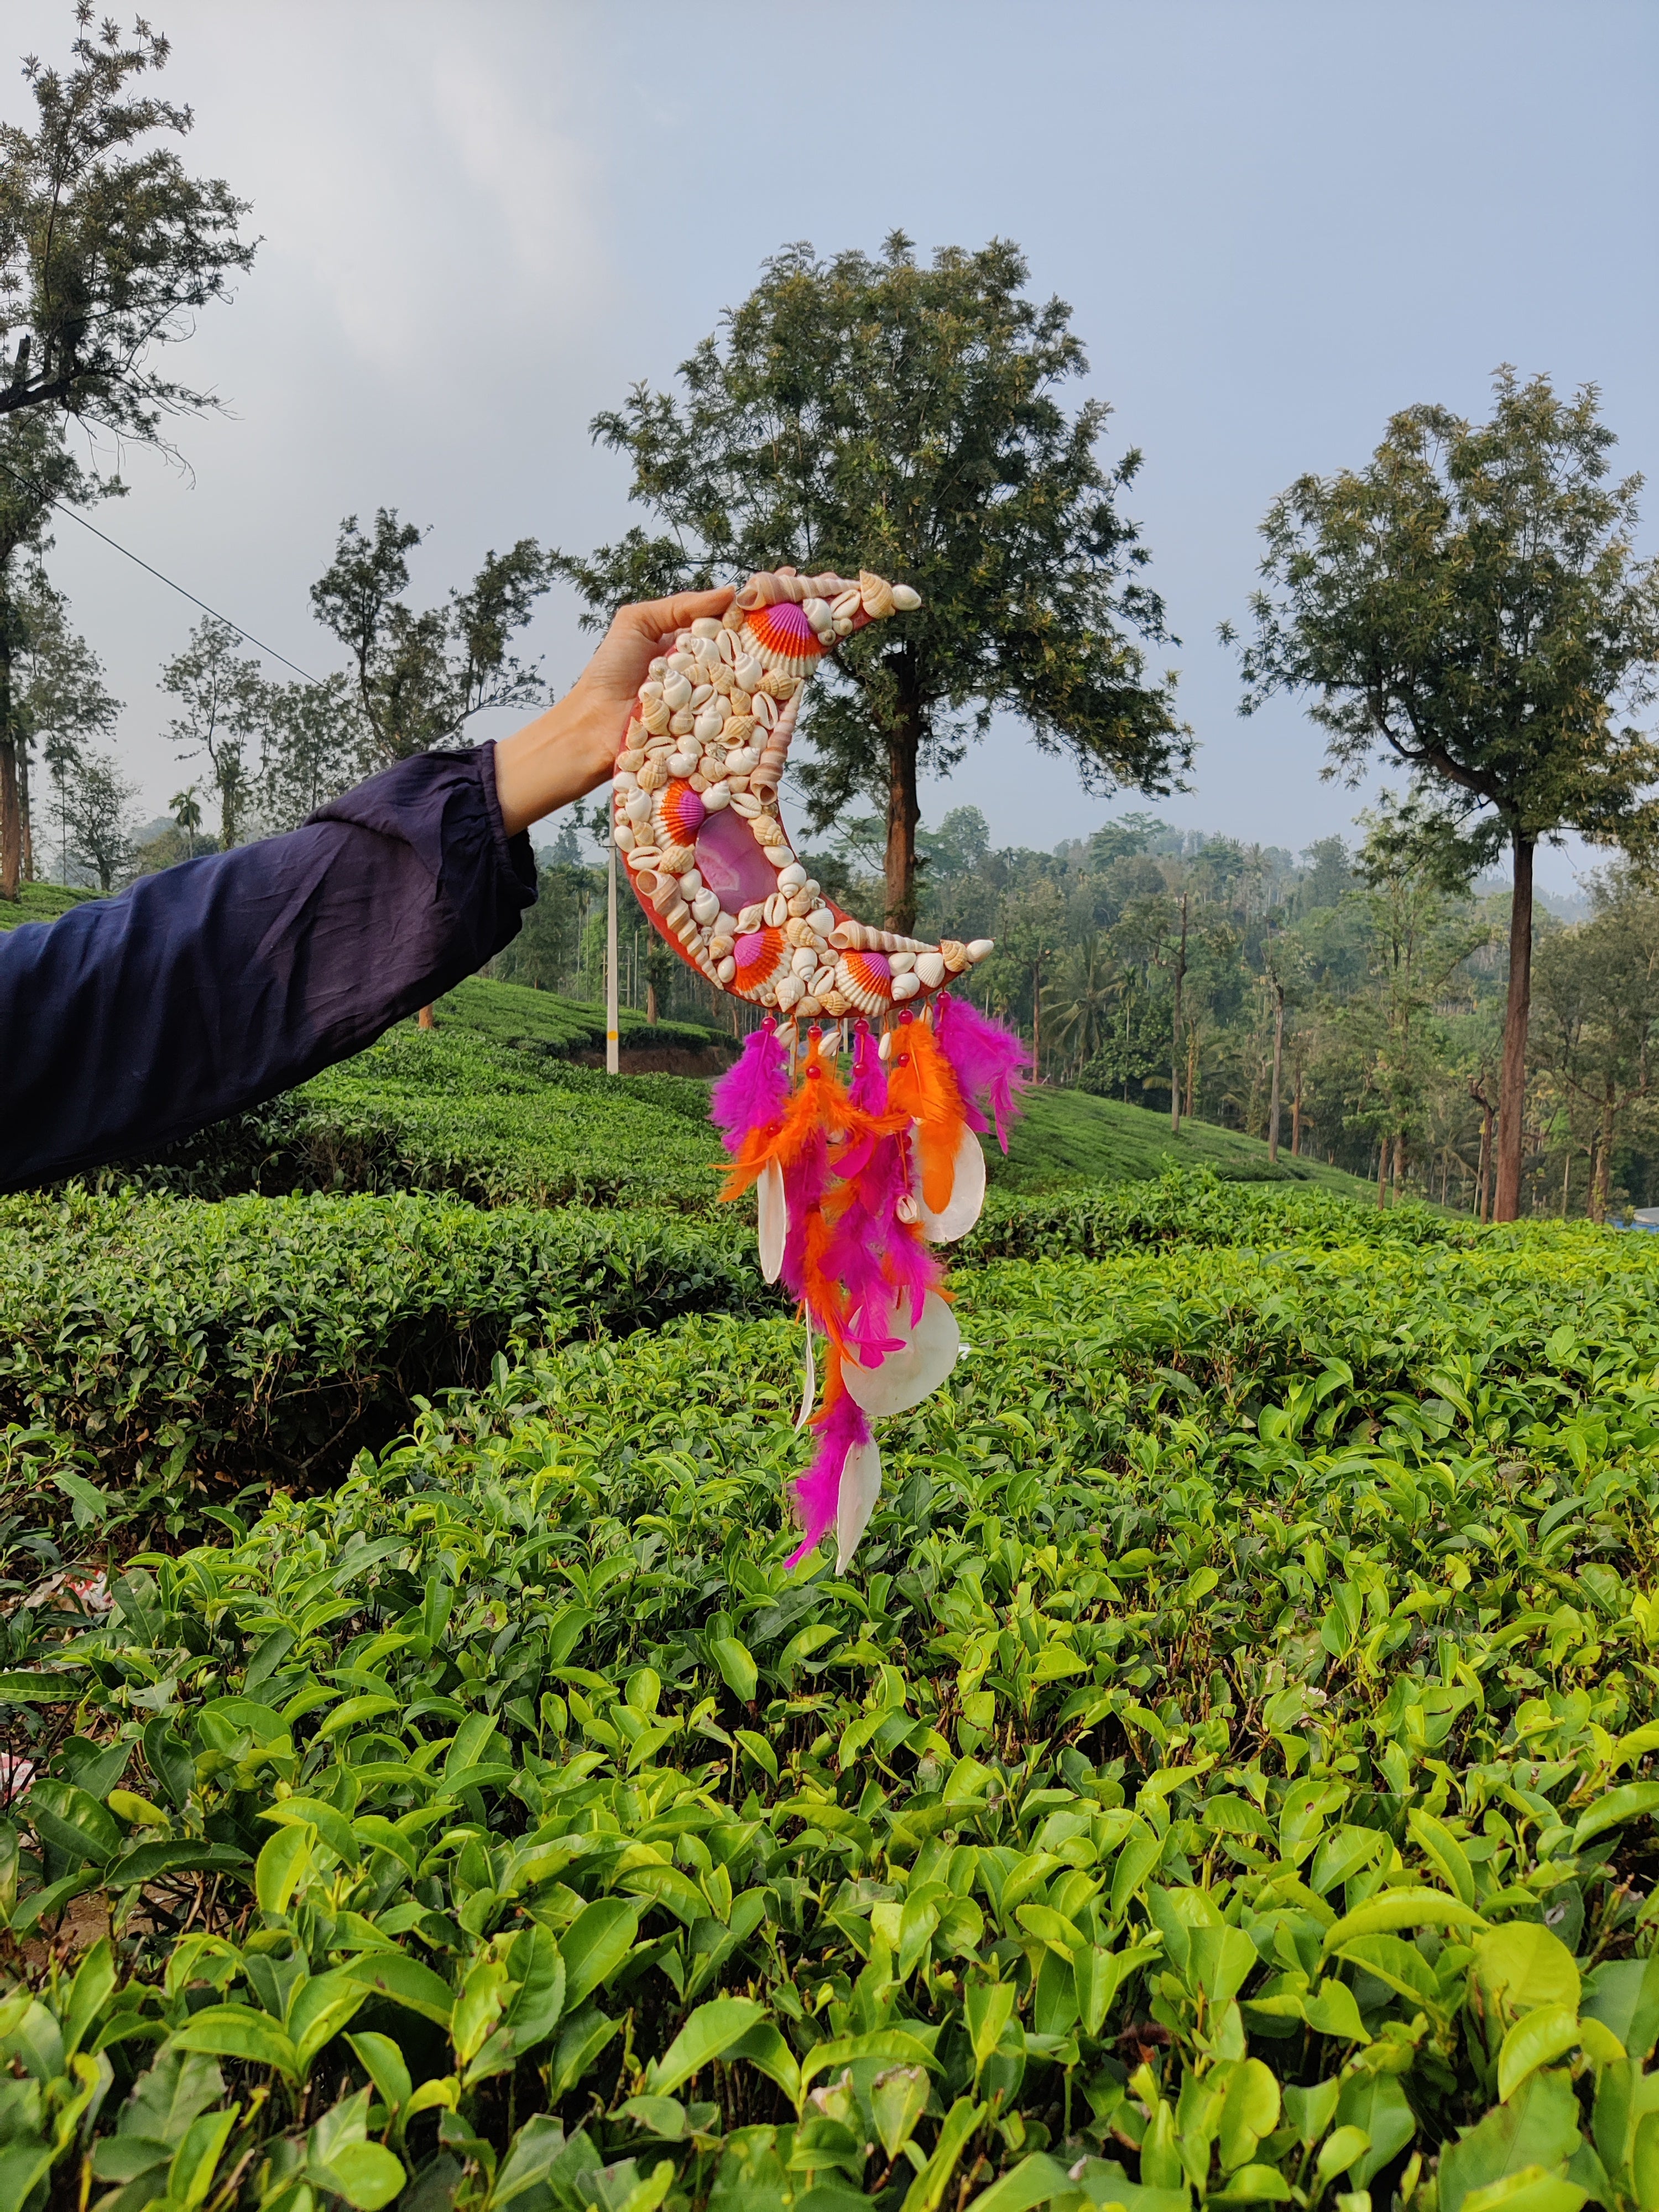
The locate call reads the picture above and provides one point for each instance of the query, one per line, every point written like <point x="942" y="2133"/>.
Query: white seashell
<point x="643" y="856"/>
<point x="740" y="783"/>
<point x="745" y="803"/>
<point x="805" y="960"/>
<point x="679" y="662"/>
<point x="705" y="625"/>
<point x="679" y="722"/>
<point x="807" y="1006"/>
<point x="790" y="988"/>
<point x="836" y="1002"/>
<point x="656" y="718"/>
<point x="768" y="830"/>
<point x="709" y="723"/>
<point x="752" y="917"/>
<point x="728" y="645"/>
<point x="716" y="796"/>
<point x="744" y="761"/>
<point x="792" y="878"/>
<point x="796" y="930"/>
<point x="639" y="806"/>
<point x="850" y="936"/>
<point x="678" y="860"/>
<point x="765" y="709"/>
<point x="885" y="1051"/>
<point x="777" y="911"/>
<point x="824" y="982"/>
<point x="654" y="775"/>
<point x="682" y="764"/>
<point x="725" y="924"/>
<point x="719" y="940"/>
<point x="706" y="906"/>
<point x="848" y="602"/>
<point x="906" y="599"/>
<point x="906" y="986"/>
<point x="749" y="672"/>
<point x="901" y="962"/>
<point x="818" y="612"/>
<point x="800" y="906"/>
<point x="701" y="695"/>
<point x="905" y="1206"/>
<point x="980" y="948"/>
<point x="820" y="916"/>
<point x="657" y="670"/>
<point x="877" y="594"/>
<point x="843" y="626"/>
<point x="676" y="692"/>
<point x="690" y="881"/>
<point x="954" y="955"/>
<point x="929" y="966"/>
<point x="624" y="837"/>
<point x="725" y="968"/>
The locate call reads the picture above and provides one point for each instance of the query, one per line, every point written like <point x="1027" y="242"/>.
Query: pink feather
<point x="818" y="1492"/>
<point x="988" y="1061"/>
<point x="754" y="1091"/>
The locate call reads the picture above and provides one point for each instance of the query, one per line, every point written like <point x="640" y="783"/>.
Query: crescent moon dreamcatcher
<point x="855" y="1177"/>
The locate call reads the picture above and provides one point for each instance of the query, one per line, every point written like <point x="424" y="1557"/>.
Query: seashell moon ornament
<point x="859" y="1175"/>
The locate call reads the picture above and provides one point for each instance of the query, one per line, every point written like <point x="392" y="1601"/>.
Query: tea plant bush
<point x="1224" y="1780"/>
<point x="460" y="1113"/>
<point x="271" y="1336"/>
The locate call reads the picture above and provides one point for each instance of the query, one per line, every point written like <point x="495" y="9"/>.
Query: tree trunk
<point x="1175" y="1034"/>
<point x="651" y="1001"/>
<point x="25" y="813"/>
<point x="1399" y="1165"/>
<point x="1483" y="1179"/>
<point x="1602" y="1179"/>
<point x="1279" y="1060"/>
<point x="426" y="1019"/>
<point x="1296" y="1115"/>
<point x="1192" y="1070"/>
<point x="11" y="824"/>
<point x="1512" y="1090"/>
<point x="903" y="808"/>
<point x="1036" y="1019"/>
<point x="1382" y="1171"/>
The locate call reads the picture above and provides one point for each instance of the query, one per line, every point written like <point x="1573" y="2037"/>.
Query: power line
<point x="40" y="493"/>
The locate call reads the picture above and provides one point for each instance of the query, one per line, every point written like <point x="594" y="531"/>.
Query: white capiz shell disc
<point x="967" y="1200"/>
<point x="773" y="1215"/>
<point x="905" y="1378"/>
<point x="860" y="1486"/>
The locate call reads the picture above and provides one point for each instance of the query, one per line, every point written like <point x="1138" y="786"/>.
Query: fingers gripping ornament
<point x="854" y="1180"/>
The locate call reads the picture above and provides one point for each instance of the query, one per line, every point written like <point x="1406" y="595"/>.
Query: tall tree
<point x="60" y="702"/>
<point x="866" y="412"/>
<point x="98" y="808"/>
<point x="1598" y="989"/>
<point x="36" y="469"/>
<point x="108" y="248"/>
<point x="421" y="677"/>
<point x="221" y="704"/>
<point x="1470" y="601"/>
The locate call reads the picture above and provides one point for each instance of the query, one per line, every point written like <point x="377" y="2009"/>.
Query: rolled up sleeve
<point x="130" y="1022"/>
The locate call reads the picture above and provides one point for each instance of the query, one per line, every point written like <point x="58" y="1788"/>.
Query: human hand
<point x="571" y="749"/>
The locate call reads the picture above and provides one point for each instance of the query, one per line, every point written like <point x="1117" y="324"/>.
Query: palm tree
<point x="1088" y="989"/>
<point x="187" y="813"/>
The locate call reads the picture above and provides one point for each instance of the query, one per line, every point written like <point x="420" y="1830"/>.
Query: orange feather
<point x="920" y="1083"/>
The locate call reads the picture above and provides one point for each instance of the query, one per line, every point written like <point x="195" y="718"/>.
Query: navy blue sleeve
<point x="130" y="1022"/>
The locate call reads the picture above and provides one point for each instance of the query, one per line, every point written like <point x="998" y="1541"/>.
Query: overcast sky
<point x="483" y="220"/>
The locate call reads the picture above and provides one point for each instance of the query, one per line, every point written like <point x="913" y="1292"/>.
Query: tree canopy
<point x="864" y="411"/>
<point x="108" y="247"/>
<point x="1471" y="603"/>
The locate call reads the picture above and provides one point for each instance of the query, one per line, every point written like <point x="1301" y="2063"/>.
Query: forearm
<point x="128" y="1023"/>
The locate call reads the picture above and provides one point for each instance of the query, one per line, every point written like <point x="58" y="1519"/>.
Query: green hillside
<point x="1068" y="1137"/>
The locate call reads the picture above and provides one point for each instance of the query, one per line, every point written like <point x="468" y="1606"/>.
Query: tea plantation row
<point x="1223" y="1778"/>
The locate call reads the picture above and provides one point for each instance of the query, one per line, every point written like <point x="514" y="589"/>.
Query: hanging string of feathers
<point x="856" y="1180"/>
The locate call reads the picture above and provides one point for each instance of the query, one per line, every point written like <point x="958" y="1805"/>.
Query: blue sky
<point x="1275" y="222"/>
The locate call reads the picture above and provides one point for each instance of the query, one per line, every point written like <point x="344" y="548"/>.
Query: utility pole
<point x="612" y="1026"/>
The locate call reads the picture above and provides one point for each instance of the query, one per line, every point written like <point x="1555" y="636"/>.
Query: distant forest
<point x="1381" y="986"/>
